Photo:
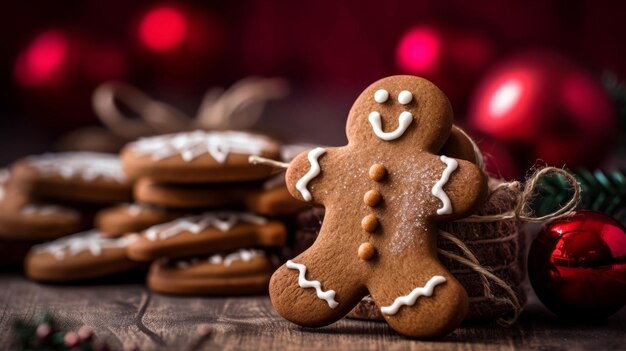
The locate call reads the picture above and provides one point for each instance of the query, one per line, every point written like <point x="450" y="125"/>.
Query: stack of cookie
<point x="51" y="196"/>
<point x="220" y="247"/>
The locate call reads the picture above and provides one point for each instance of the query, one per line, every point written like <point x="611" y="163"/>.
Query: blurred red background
<point x="55" y="53"/>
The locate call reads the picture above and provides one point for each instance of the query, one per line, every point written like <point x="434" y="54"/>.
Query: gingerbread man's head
<point x="401" y="110"/>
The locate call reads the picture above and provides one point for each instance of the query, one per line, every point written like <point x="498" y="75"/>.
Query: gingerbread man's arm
<point x="460" y="191"/>
<point x="307" y="173"/>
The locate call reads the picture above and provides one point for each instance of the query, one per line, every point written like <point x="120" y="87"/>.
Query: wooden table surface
<point x="126" y="313"/>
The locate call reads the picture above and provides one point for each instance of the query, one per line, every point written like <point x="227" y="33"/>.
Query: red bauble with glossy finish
<point x="577" y="266"/>
<point x="544" y="106"/>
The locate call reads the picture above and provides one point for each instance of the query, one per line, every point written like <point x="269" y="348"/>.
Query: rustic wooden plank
<point x="126" y="313"/>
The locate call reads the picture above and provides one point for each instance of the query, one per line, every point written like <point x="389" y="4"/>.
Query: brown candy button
<point x="372" y="198"/>
<point x="366" y="251"/>
<point x="369" y="223"/>
<point x="377" y="172"/>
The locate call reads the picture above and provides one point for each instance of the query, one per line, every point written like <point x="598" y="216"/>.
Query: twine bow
<point x="239" y="107"/>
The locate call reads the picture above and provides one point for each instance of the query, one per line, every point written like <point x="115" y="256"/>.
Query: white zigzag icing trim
<point x="411" y="298"/>
<point x="328" y="295"/>
<point x="315" y="170"/>
<point x="451" y="165"/>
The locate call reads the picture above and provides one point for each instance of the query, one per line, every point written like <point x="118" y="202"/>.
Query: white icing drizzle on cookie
<point x="411" y="298"/>
<point x="245" y="255"/>
<point x="134" y="209"/>
<point x="190" y="145"/>
<point x="381" y="96"/>
<point x="405" y="97"/>
<point x="223" y="221"/>
<point x="328" y="295"/>
<point x="91" y="241"/>
<point x="451" y="165"/>
<point x="404" y="120"/>
<point x="315" y="170"/>
<point x="47" y="210"/>
<point x="4" y="178"/>
<point x="87" y="166"/>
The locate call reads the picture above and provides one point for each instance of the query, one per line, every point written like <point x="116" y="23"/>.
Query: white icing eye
<point x="381" y="95"/>
<point x="405" y="97"/>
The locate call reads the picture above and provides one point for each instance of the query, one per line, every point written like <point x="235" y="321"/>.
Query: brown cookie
<point x="20" y="219"/>
<point x="274" y="199"/>
<point x="131" y="218"/>
<point x="207" y="233"/>
<point x="81" y="256"/>
<point x="190" y="196"/>
<point x="199" y="157"/>
<point x="73" y="176"/>
<point x="243" y="272"/>
<point x="384" y="193"/>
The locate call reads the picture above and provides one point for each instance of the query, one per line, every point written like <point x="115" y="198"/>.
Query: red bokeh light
<point x="418" y="50"/>
<point x="163" y="28"/>
<point x="41" y="62"/>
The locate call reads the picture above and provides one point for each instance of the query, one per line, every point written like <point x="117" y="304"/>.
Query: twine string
<point x="130" y="113"/>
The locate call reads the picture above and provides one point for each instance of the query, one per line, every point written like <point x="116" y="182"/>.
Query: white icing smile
<point x="404" y="120"/>
<point x="411" y="298"/>
<point x="328" y="295"/>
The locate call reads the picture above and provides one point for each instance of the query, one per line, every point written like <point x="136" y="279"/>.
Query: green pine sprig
<point x="602" y="192"/>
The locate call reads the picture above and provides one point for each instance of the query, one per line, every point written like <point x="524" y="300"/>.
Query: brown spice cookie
<point x="191" y="196"/>
<point x="81" y="256"/>
<point x="87" y="177"/>
<point x="274" y="199"/>
<point x="199" y="157"/>
<point x="243" y="272"/>
<point x="22" y="220"/>
<point x="207" y="233"/>
<point x="388" y="248"/>
<point x="131" y="218"/>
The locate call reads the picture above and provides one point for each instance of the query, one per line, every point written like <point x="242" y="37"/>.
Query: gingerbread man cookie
<point x="384" y="193"/>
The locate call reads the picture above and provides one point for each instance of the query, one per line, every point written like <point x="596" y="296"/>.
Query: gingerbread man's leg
<point x="314" y="289"/>
<point x="423" y="303"/>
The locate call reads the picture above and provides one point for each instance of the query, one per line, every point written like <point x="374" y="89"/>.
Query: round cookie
<point x="206" y="233"/>
<point x="22" y="220"/>
<point x="274" y="199"/>
<point x="81" y="256"/>
<point x="192" y="196"/>
<point x="85" y="177"/>
<point x="199" y="157"/>
<point x="243" y="272"/>
<point x="393" y="149"/>
<point x="131" y="218"/>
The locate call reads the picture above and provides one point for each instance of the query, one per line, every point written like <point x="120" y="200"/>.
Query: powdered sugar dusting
<point x="413" y="184"/>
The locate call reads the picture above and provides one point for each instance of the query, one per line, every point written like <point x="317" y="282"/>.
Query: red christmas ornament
<point x="57" y="71"/>
<point x="544" y="106"/>
<point x="453" y="58"/>
<point x="577" y="266"/>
